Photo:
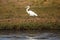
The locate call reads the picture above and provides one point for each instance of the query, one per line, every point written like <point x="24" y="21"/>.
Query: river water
<point x="38" y="35"/>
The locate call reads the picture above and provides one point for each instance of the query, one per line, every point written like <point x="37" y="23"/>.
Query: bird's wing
<point x="32" y="12"/>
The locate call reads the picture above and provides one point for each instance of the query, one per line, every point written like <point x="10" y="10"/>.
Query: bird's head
<point x="27" y="6"/>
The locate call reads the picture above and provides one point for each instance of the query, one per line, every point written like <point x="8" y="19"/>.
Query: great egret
<point x="31" y="13"/>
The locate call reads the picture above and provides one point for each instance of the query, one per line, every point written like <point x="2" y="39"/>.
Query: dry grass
<point x="14" y="16"/>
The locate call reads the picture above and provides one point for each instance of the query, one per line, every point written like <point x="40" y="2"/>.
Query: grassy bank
<point x="31" y="26"/>
<point x="30" y="23"/>
<point x="13" y="15"/>
<point x="49" y="18"/>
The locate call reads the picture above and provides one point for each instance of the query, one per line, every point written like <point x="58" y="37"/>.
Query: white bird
<point x="31" y="13"/>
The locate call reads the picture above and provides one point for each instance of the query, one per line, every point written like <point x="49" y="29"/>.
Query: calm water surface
<point x="40" y="35"/>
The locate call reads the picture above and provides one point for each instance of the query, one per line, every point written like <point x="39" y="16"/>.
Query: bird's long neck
<point x="27" y="9"/>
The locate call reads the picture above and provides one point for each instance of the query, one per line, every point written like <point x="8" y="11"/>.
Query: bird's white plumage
<point x="31" y="13"/>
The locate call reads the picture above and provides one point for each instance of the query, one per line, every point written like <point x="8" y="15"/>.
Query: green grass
<point x="30" y="26"/>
